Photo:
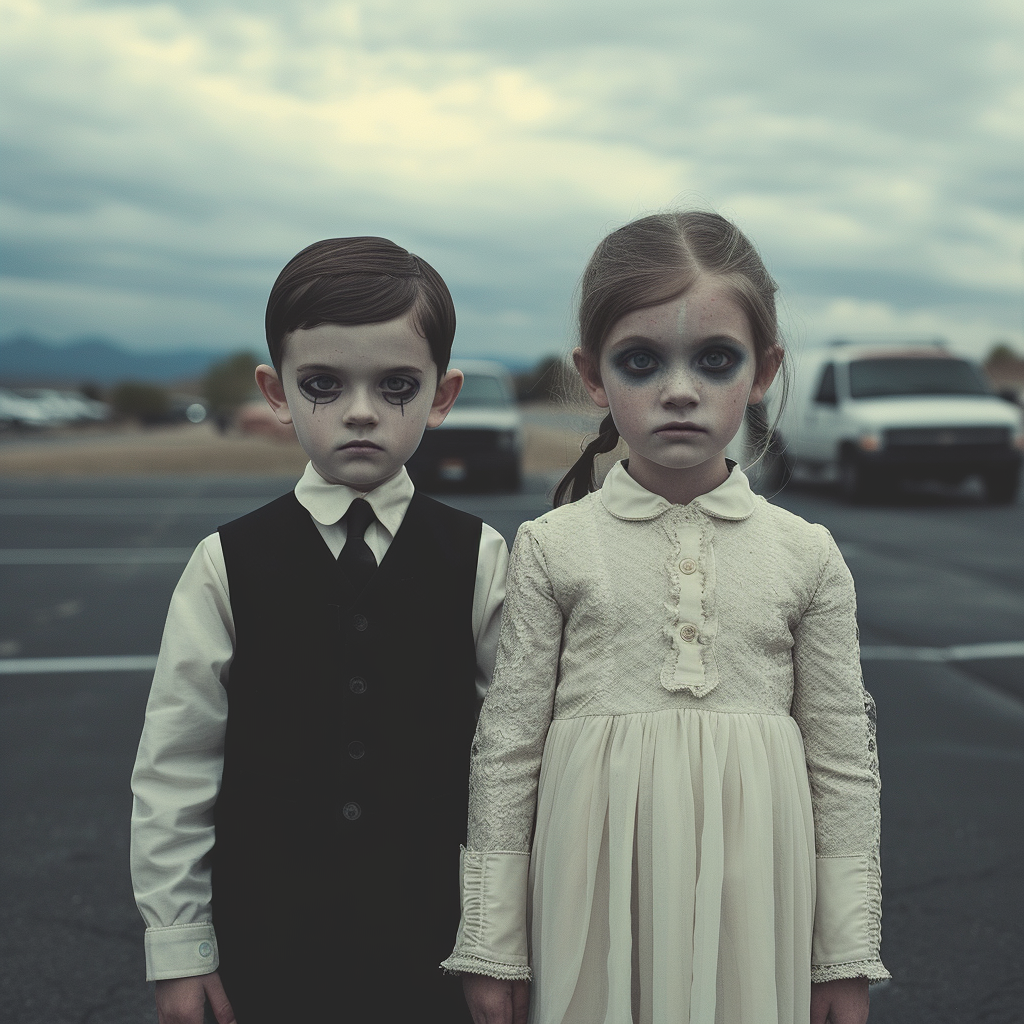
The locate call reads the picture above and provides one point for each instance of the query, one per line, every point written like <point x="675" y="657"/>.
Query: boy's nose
<point x="360" y="409"/>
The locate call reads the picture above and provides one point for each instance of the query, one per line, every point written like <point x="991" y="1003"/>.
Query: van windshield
<point x="881" y="378"/>
<point x="483" y="391"/>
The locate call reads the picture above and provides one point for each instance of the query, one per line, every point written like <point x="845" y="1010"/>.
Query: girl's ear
<point x="587" y="370"/>
<point x="769" y="367"/>
<point x="448" y="389"/>
<point x="270" y="384"/>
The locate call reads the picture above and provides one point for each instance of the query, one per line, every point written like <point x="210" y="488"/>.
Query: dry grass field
<point x="189" y="449"/>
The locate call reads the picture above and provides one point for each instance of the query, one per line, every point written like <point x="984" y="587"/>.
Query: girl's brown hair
<point x="360" y="280"/>
<point x="653" y="260"/>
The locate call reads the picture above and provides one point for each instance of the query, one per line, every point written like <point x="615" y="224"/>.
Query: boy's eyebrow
<point x="329" y="368"/>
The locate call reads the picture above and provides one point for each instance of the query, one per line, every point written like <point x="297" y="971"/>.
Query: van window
<point x="481" y="390"/>
<point x="827" y="388"/>
<point x="881" y="378"/>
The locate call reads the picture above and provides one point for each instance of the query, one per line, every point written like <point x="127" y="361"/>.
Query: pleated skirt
<point x="672" y="875"/>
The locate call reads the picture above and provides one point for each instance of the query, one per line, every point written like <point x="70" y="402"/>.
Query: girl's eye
<point x="639" y="362"/>
<point x="717" y="360"/>
<point x="399" y="390"/>
<point x="320" y="388"/>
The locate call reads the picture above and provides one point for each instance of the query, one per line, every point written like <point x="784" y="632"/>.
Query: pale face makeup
<point x="359" y="397"/>
<point x="677" y="379"/>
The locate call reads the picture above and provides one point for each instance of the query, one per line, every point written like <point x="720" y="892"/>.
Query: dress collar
<point x="626" y="499"/>
<point x="327" y="503"/>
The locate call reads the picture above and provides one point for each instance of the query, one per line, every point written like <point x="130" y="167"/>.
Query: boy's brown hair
<point x="360" y="280"/>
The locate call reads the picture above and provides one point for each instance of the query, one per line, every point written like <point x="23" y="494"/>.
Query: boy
<point x="301" y="782"/>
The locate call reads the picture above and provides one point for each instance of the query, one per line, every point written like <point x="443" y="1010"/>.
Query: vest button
<point x="356" y="750"/>
<point x="689" y="632"/>
<point x="360" y="622"/>
<point x="688" y="566"/>
<point x="357" y="684"/>
<point x="351" y="811"/>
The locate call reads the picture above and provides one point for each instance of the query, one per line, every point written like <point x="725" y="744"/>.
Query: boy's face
<point x="359" y="397"/>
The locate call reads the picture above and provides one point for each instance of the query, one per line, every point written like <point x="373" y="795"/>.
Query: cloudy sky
<point x="164" y="160"/>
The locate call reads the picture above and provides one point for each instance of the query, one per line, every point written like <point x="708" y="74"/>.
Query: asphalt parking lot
<point x="88" y="567"/>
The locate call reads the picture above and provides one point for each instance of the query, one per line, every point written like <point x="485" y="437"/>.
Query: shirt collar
<point x="327" y="503"/>
<point x="626" y="499"/>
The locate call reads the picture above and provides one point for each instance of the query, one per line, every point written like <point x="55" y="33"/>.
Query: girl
<point x="674" y="792"/>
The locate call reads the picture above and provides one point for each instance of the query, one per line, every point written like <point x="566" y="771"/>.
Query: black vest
<point x="346" y="756"/>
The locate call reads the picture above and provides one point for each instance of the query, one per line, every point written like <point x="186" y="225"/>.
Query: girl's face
<point x="677" y="379"/>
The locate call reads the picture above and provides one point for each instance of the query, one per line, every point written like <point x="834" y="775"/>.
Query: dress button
<point x="356" y="750"/>
<point x="360" y="622"/>
<point x="357" y="684"/>
<point x="689" y="632"/>
<point x="688" y="566"/>
<point x="352" y="810"/>
<point x="205" y="949"/>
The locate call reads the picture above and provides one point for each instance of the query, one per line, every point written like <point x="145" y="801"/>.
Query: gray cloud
<point x="164" y="160"/>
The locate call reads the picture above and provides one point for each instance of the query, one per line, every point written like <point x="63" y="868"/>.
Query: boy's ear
<point x="766" y="374"/>
<point x="270" y="384"/>
<point x="448" y="389"/>
<point x="590" y="377"/>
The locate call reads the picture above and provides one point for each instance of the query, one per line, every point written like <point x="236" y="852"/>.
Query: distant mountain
<point x="25" y="359"/>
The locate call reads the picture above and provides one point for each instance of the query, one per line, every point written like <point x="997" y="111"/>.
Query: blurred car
<point x="866" y="416"/>
<point x="47" y="407"/>
<point x="480" y="443"/>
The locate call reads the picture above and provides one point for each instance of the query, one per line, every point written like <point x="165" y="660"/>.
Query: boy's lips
<point x="361" y="446"/>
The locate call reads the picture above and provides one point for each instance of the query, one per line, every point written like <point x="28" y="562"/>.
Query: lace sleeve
<point x="505" y="768"/>
<point x="836" y="716"/>
<point x="509" y="741"/>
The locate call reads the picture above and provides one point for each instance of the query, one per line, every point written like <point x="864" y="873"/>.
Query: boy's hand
<point x="492" y="1001"/>
<point x="840" y="1002"/>
<point x="180" y="1000"/>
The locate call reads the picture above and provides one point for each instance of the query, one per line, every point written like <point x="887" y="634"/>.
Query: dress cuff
<point x="181" y="951"/>
<point x="847" y="920"/>
<point x="873" y="970"/>
<point x="492" y="937"/>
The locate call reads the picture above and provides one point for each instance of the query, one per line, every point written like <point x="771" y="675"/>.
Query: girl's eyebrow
<point x="643" y="339"/>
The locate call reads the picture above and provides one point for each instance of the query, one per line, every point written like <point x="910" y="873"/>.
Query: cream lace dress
<point x="674" y="790"/>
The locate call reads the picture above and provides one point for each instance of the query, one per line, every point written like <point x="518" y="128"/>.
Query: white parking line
<point x="95" y="556"/>
<point x="103" y="663"/>
<point x="960" y="652"/>
<point x="130" y="506"/>
<point x="147" y="662"/>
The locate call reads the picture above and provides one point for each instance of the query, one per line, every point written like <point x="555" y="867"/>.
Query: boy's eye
<point x="638" y="362"/>
<point x="398" y="389"/>
<point x="320" y="388"/>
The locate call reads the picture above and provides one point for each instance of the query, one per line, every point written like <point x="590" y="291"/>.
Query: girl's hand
<point x="840" y="1002"/>
<point x="492" y="1001"/>
<point x="180" y="1000"/>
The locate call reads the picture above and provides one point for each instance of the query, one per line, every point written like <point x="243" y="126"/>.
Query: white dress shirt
<point x="181" y="755"/>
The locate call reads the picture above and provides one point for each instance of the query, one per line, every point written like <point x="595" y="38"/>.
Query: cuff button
<point x="205" y="949"/>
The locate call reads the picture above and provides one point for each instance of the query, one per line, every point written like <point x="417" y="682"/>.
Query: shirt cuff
<point x="181" y="951"/>
<point x="847" y="920"/>
<point x="492" y="937"/>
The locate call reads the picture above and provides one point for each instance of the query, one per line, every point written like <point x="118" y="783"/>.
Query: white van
<point x="865" y="416"/>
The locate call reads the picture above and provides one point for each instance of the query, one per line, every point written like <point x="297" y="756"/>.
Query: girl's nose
<point x="679" y="390"/>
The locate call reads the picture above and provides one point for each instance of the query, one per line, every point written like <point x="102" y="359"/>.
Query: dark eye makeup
<point x="320" y="388"/>
<point x="396" y="389"/>
<point x="399" y="390"/>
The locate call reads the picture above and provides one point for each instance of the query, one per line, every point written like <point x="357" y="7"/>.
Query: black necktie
<point x="356" y="562"/>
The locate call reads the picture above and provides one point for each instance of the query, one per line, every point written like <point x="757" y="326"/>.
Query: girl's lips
<point x="361" y="445"/>
<point x="680" y="428"/>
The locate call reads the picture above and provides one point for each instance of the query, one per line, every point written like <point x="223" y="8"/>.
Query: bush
<point x="148" y="403"/>
<point x="230" y="383"/>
